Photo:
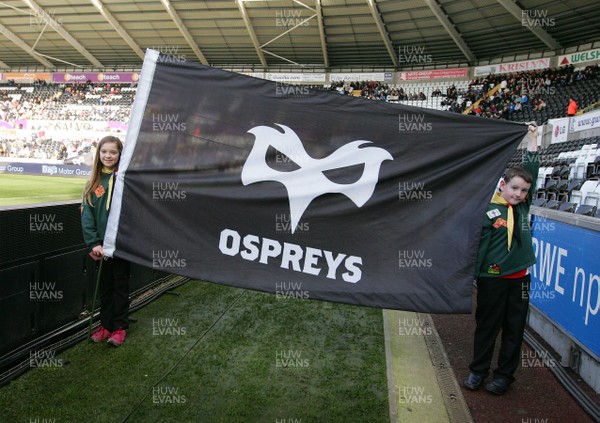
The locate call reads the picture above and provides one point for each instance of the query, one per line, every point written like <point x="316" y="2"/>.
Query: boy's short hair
<point x="514" y="172"/>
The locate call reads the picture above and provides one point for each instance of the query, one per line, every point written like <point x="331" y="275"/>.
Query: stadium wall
<point x="565" y="289"/>
<point x="47" y="279"/>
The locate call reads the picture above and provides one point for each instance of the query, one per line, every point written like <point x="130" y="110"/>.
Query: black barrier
<point x="46" y="276"/>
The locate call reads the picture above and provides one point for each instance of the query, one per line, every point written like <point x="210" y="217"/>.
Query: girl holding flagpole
<point x="114" y="277"/>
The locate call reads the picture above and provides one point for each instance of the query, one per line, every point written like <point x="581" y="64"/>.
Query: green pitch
<point x="215" y="354"/>
<point x="29" y="189"/>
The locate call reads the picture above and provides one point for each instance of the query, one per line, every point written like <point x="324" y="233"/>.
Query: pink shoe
<point x="117" y="337"/>
<point x="100" y="334"/>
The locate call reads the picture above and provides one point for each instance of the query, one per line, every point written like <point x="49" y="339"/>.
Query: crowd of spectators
<point x="45" y="148"/>
<point x="518" y="91"/>
<point x="40" y="101"/>
<point x="106" y="102"/>
<point x="86" y="101"/>
<point x="374" y="90"/>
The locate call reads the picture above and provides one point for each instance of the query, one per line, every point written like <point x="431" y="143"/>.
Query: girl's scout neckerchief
<point x="110" y="184"/>
<point x="510" y="221"/>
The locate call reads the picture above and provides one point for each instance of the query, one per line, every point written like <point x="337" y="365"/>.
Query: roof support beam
<point x="539" y="32"/>
<point x="383" y="32"/>
<point x="29" y="50"/>
<point x="184" y="31"/>
<point x="322" y="33"/>
<point x="301" y="23"/>
<point x="4" y="65"/>
<point x="117" y="27"/>
<point x="259" y="52"/>
<point x="41" y="13"/>
<point x="450" y="29"/>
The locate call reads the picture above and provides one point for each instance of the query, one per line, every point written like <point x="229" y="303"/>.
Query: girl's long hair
<point x="97" y="168"/>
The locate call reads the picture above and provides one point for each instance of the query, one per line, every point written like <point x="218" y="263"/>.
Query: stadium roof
<point x="358" y="34"/>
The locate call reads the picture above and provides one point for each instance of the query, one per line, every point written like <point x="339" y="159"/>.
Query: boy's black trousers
<point x="502" y="304"/>
<point x="114" y="294"/>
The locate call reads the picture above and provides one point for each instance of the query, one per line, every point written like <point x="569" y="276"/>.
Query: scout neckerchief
<point x="110" y="185"/>
<point x="510" y="224"/>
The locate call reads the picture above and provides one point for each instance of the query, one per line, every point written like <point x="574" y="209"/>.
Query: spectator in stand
<point x="525" y="101"/>
<point x="572" y="107"/>
<point x="517" y="106"/>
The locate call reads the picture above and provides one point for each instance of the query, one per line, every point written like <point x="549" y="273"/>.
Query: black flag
<point x="304" y="193"/>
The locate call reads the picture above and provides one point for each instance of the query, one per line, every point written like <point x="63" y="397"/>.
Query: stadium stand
<point x="569" y="173"/>
<point x="42" y="102"/>
<point x="568" y="180"/>
<point x="528" y="96"/>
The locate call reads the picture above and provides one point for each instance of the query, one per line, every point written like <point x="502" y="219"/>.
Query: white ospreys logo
<point x="307" y="183"/>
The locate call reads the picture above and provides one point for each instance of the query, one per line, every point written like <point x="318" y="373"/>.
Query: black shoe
<point x="473" y="381"/>
<point x="498" y="385"/>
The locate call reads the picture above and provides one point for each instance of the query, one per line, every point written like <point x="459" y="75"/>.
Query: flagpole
<point x="94" y="299"/>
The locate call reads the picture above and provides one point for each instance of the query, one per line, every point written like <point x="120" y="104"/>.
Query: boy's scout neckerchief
<point x="510" y="224"/>
<point x="110" y="184"/>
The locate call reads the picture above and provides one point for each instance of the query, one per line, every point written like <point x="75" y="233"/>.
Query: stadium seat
<point x="550" y="189"/>
<point x="562" y="189"/>
<point x="574" y="184"/>
<point x="541" y="176"/>
<point x="539" y="202"/>
<point x="581" y="167"/>
<point x="568" y="207"/>
<point x="580" y="196"/>
<point x="552" y="204"/>
<point x="561" y="172"/>
<point x="595" y="167"/>
<point x="586" y="210"/>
